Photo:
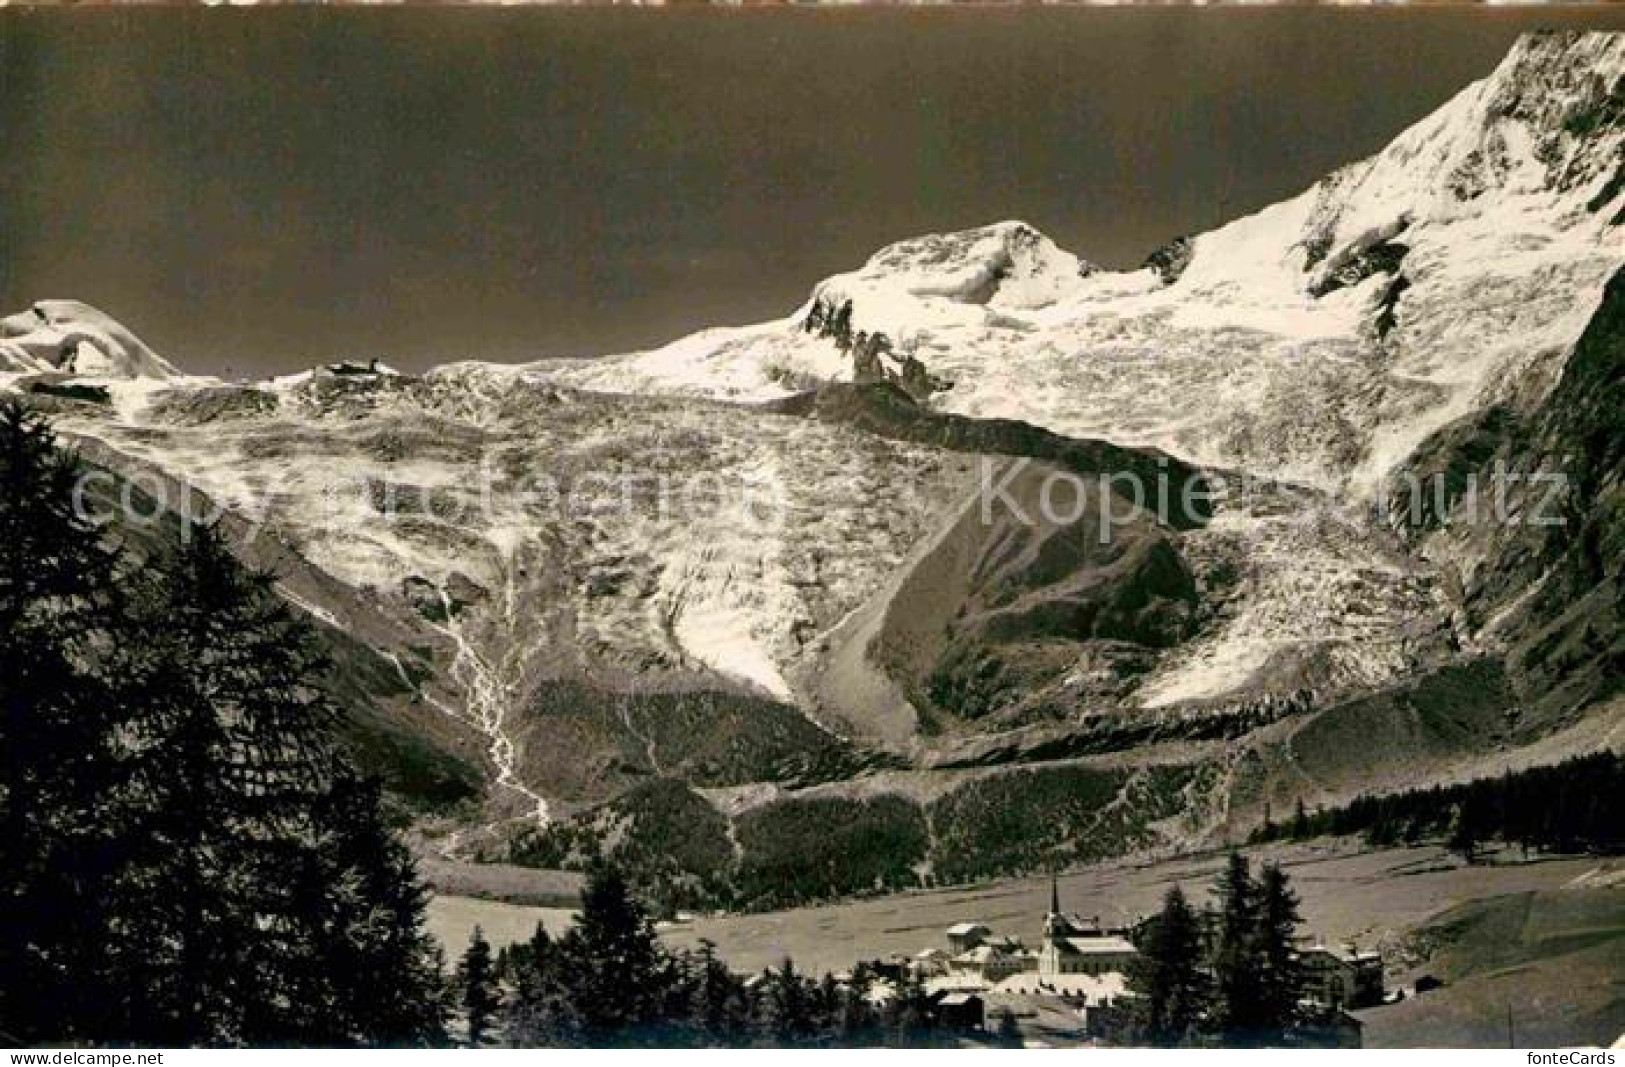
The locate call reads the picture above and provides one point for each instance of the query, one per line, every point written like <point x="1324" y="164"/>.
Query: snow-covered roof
<point x="1342" y="955"/>
<point x="964" y="929"/>
<point x="1091" y="988"/>
<point x="978" y="955"/>
<point x="1098" y="946"/>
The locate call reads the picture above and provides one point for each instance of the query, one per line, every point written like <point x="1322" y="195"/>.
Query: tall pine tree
<point x="183" y="858"/>
<point x="481" y="994"/>
<point x="62" y="775"/>
<point x="242" y="761"/>
<point x="377" y="972"/>
<point x="1167" y="977"/>
<point x="540" y="1012"/>
<point x="1236" y="965"/>
<point x="615" y="969"/>
<point x="787" y="1006"/>
<point x="1280" y="981"/>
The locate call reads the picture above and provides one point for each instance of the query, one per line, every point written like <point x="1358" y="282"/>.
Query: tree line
<point x="1226" y="975"/>
<point x="186" y="855"/>
<point x="608" y="981"/>
<point x="1567" y="807"/>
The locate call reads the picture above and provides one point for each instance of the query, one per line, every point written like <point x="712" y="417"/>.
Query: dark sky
<point x="260" y="190"/>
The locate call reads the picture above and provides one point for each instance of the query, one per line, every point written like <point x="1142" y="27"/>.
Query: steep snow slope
<point x="1320" y="339"/>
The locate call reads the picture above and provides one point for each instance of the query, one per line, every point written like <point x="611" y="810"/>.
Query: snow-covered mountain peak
<point x="1321" y="338"/>
<point x="1542" y="134"/>
<point x="1554" y="79"/>
<point x="72" y="337"/>
<point x="963" y="277"/>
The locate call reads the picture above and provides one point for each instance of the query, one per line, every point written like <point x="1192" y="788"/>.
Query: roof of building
<point x="954" y="1000"/>
<point x="961" y="929"/>
<point x="1092" y="989"/>
<point x="1344" y="955"/>
<point x="980" y="954"/>
<point x="956" y="983"/>
<point x="1097" y="946"/>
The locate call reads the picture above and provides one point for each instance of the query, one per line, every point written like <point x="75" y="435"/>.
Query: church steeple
<point x="1055" y="924"/>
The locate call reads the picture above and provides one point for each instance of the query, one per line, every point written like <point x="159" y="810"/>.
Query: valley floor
<point x="1546" y="937"/>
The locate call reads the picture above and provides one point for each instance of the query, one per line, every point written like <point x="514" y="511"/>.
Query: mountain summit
<point x="1323" y="337"/>
<point x="71" y="337"/>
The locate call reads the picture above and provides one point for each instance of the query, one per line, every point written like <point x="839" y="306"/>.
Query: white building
<point x="991" y="962"/>
<point x="1341" y="978"/>
<point x="962" y="937"/>
<point x="1074" y="947"/>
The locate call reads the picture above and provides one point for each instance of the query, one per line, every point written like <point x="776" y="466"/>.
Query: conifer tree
<point x="1236" y="963"/>
<point x="856" y="1024"/>
<point x="183" y="858"/>
<point x="614" y="968"/>
<point x="62" y="775"/>
<point x="1279" y="977"/>
<point x="719" y="1006"/>
<point x="909" y="1015"/>
<point x="541" y="1012"/>
<point x="1464" y="830"/>
<point x="243" y="760"/>
<point x="787" y="1008"/>
<point x="1300" y="821"/>
<point x="476" y="974"/>
<point x="382" y="970"/>
<point x="826" y="1009"/>
<point x="1168" y="977"/>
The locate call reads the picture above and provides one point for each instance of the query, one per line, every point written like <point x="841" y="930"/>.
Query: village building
<point x="959" y="1011"/>
<point x="962" y="937"/>
<point x="1072" y="946"/>
<point x="993" y="962"/>
<point x="1081" y="962"/>
<point x="1338" y="1030"/>
<point x="1336" y="978"/>
<point x="1081" y="967"/>
<point x="1081" y="990"/>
